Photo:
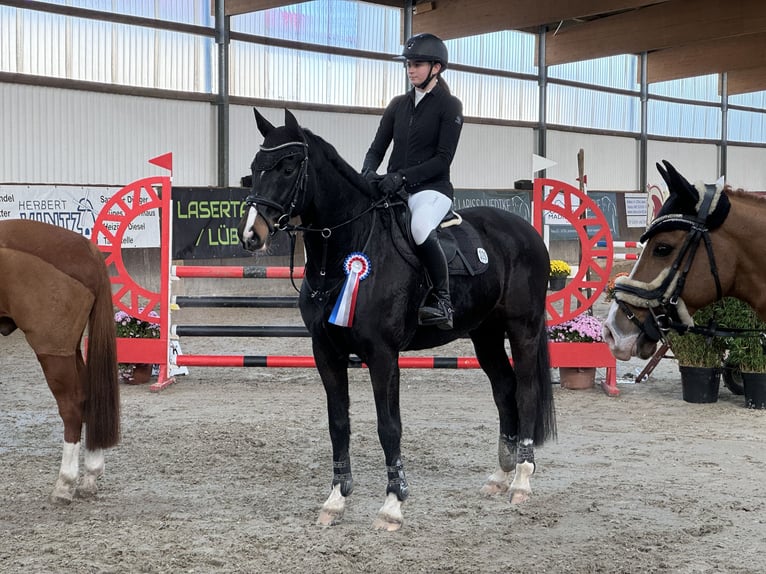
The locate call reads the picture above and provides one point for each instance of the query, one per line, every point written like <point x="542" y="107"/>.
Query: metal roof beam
<point x="459" y="18"/>
<point x="234" y="7"/>
<point x="655" y="27"/>
<point x="745" y="81"/>
<point x="707" y="58"/>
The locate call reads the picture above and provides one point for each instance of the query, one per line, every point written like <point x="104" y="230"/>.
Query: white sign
<point x="552" y="218"/>
<point x="75" y="208"/>
<point x="636" y="206"/>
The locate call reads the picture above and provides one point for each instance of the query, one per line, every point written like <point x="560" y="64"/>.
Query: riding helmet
<point x="425" y="48"/>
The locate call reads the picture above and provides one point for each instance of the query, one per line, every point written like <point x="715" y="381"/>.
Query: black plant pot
<point x="755" y="390"/>
<point x="557" y="283"/>
<point x="732" y="379"/>
<point x="700" y="384"/>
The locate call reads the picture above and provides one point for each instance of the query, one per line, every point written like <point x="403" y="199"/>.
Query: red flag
<point x="164" y="161"/>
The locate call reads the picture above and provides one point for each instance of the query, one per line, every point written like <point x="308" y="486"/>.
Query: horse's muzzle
<point x="252" y="243"/>
<point x="253" y="231"/>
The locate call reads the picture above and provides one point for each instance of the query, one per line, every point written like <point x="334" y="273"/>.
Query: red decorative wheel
<point x="108" y="232"/>
<point x="592" y="229"/>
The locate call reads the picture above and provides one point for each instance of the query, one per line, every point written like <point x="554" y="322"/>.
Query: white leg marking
<point x="333" y="508"/>
<point x="390" y="514"/>
<point x="497" y="483"/>
<point x="94" y="469"/>
<point x="520" y="488"/>
<point x="63" y="491"/>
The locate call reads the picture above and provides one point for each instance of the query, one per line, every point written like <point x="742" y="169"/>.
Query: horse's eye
<point x="662" y="250"/>
<point x="288" y="166"/>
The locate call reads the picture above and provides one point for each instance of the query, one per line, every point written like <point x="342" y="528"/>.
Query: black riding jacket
<point x="425" y="139"/>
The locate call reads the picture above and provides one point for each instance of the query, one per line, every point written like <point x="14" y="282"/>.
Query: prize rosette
<point x="357" y="267"/>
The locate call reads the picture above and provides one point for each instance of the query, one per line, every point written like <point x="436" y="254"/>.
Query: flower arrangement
<point x="584" y="328"/>
<point x="560" y="268"/>
<point x="130" y="327"/>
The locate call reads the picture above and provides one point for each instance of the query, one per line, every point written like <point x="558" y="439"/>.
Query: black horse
<point x="360" y="270"/>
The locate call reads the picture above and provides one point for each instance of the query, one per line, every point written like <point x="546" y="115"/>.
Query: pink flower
<point x="584" y="328"/>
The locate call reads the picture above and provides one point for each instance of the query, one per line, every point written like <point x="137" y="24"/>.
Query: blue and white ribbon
<point x="357" y="267"/>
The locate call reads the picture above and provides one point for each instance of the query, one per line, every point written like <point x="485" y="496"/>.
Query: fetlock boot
<point x="438" y="309"/>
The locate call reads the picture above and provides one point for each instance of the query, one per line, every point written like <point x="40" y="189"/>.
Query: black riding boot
<point x="438" y="309"/>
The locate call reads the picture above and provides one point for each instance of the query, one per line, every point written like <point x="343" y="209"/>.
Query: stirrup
<point x="439" y="315"/>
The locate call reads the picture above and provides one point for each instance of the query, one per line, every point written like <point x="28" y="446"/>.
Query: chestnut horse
<point x="706" y="243"/>
<point x="345" y="223"/>
<point x="53" y="284"/>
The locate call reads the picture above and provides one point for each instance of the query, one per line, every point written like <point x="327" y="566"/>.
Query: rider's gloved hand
<point x="391" y="182"/>
<point x="370" y="175"/>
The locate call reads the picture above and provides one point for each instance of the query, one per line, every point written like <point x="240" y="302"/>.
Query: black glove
<point x="391" y="182"/>
<point x="370" y="175"/>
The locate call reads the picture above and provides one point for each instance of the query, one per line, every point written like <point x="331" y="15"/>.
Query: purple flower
<point x="584" y="328"/>
<point x="129" y="326"/>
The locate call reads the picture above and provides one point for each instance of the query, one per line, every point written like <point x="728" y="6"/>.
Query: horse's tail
<point x="545" y="426"/>
<point x="102" y="404"/>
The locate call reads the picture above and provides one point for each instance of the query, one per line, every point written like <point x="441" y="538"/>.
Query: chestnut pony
<point x="54" y="283"/>
<point x="296" y="174"/>
<point x="706" y="243"/>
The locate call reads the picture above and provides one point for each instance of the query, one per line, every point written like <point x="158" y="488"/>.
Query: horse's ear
<point x="678" y="183"/>
<point x="664" y="174"/>
<point x="292" y="124"/>
<point x="290" y="121"/>
<point x="264" y="125"/>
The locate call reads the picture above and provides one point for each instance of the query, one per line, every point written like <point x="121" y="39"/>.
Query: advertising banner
<point x="205" y="223"/>
<point x="75" y="208"/>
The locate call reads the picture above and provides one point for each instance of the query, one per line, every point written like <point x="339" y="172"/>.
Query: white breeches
<point x="428" y="208"/>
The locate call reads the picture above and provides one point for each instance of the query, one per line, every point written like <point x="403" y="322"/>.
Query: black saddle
<point x="459" y="239"/>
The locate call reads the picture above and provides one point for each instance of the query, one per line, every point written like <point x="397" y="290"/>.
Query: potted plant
<point x="130" y="327"/>
<point x="745" y="361"/>
<point x="560" y="270"/>
<point x="584" y="328"/>
<point x="699" y="358"/>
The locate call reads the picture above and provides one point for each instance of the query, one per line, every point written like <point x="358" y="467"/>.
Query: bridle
<point x="266" y="160"/>
<point x="664" y="301"/>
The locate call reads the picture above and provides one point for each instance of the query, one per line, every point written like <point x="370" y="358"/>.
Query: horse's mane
<point x="747" y="195"/>
<point x="341" y="165"/>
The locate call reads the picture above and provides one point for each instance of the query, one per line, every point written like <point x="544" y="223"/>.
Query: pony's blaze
<point x="254" y="233"/>
<point x="625" y="339"/>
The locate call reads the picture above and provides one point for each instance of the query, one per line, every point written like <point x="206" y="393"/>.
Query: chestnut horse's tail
<point x="102" y="405"/>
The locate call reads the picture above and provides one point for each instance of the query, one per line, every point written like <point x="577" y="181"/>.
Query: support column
<point x="724" y="124"/>
<point x="408" y="7"/>
<point x="542" y="112"/>
<point x="643" y="153"/>
<point x="222" y="28"/>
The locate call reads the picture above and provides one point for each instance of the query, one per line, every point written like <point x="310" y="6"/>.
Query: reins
<point x="266" y="160"/>
<point x="326" y="233"/>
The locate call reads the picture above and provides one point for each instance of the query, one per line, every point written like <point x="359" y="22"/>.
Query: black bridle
<point x="663" y="300"/>
<point x="266" y="160"/>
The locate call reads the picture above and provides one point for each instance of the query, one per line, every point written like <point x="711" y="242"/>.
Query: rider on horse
<point x="425" y="125"/>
